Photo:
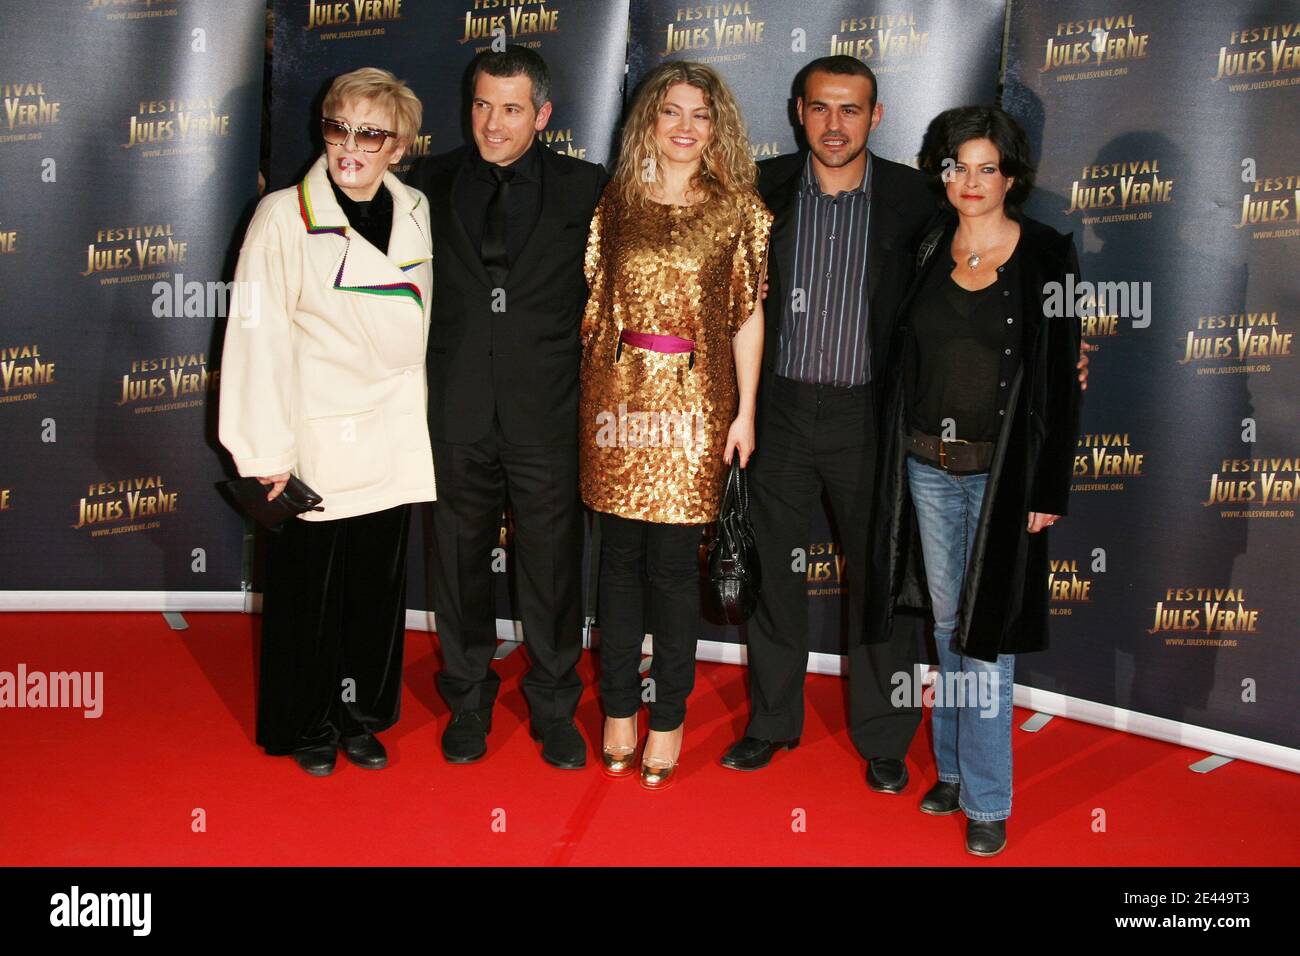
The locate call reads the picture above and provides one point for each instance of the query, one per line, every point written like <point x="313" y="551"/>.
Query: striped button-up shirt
<point x="824" y="327"/>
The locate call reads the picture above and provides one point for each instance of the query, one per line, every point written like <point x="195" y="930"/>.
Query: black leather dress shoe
<point x="886" y="775"/>
<point x="562" y="745"/>
<point x="366" y="751"/>
<point x="465" y="739"/>
<point x="986" y="837"/>
<point x="941" y="799"/>
<point x="754" y="753"/>
<point x="317" y="761"/>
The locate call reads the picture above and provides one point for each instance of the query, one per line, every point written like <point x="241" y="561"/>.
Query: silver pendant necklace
<point x="973" y="260"/>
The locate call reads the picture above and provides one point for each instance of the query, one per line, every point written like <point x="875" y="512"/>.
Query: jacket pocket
<point x="346" y="452"/>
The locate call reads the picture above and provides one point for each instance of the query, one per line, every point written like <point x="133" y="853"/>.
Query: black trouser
<point x="649" y="581"/>
<point x="541" y="483"/>
<point x="333" y="630"/>
<point x="810" y="437"/>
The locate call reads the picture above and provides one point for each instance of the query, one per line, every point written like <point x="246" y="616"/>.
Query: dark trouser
<point x="649" y="580"/>
<point x="810" y="437"/>
<point x="333" y="611"/>
<point x="541" y="483"/>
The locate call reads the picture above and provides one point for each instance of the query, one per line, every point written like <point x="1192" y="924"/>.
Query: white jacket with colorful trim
<point x="322" y="373"/>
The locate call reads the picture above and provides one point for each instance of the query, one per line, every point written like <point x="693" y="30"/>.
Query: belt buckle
<point x="943" y="451"/>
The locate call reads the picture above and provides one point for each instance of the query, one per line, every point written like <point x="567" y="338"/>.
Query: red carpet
<point x="176" y="735"/>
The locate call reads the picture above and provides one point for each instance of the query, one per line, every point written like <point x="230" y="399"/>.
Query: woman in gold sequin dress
<point x="672" y="341"/>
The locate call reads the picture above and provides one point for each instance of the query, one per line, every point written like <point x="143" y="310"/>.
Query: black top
<point x="372" y="219"/>
<point x="953" y="370"/>
<point x="474" y="188"/>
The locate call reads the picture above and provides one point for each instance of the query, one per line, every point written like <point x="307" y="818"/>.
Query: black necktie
<point x="495" y="252"/>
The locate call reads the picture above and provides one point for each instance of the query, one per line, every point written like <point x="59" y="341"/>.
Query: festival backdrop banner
<point x="1167" y="134"/>
<point x="928" y="55"/>
<point x="129" y="143"/>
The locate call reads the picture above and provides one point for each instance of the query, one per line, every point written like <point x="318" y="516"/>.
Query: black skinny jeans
<point x="649" y="581"/>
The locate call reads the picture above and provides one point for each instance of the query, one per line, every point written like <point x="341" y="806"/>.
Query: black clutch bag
<point x="250" y="494"/>
<point x="734" y="574"/>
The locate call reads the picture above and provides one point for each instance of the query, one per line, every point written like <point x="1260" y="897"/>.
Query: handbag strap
<point x="736" y="493"/>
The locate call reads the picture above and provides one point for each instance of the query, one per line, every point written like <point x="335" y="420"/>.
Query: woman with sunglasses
<point x="323" y="378"/>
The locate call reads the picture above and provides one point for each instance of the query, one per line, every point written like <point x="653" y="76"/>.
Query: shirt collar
<point x="814" y="189"/>
<point x="526" y="167"/>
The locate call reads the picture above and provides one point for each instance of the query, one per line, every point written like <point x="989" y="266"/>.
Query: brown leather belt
<point x="954" y="456"/>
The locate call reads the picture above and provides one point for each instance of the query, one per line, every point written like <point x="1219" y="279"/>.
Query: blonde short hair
<point x="385" y="90"/>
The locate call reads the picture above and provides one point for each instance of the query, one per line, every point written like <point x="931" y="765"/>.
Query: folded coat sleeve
<point x="1051" y="492"/>
<point x="255" y="419"/>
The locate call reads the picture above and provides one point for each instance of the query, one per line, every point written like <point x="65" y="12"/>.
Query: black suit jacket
<point x="513" y="352"/>
<point x="903" y="210"/>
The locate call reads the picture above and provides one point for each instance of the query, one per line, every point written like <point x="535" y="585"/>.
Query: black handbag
<point x="296" y="498"/>
<point x="734" y="573"/>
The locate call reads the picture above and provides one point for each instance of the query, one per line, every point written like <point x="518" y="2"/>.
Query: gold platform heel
<point x="619" y="761"/>
<point x="658" y="773"/>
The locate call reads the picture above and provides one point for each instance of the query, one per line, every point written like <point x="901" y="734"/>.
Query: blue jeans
<point x="972" y="709"/>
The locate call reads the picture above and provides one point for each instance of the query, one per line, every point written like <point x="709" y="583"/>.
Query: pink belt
<point x="656" y="343"/>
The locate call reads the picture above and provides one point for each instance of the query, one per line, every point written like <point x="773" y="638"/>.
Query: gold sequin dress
<point x="653" y="425"/>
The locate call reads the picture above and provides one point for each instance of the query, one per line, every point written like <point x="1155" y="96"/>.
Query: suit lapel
<point x="447" y="224"/>
<point x="882" y="226"/>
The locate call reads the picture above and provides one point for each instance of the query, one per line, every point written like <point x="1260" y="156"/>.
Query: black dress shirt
<point x="475" y="185"/>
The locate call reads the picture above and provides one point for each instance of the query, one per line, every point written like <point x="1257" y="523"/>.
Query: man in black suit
<point x="509" y="220"/>
<point x="830" y="317"/>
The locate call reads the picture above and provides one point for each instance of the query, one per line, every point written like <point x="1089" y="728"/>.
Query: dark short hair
<point x="841" y="65"/>
<point x="951" y="128"/>
<point x="516" y="60"/>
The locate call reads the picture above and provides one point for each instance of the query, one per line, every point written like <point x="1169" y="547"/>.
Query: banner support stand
<point x="1212" y="762"/>
<point x="1036" y="723"/>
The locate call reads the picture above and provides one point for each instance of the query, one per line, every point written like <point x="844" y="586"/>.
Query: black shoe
<point x="317" y="761"/>
<point x="562" y="745"/>
<point x="886" y="775"/>
<point x="465" y="739"/>
<point x="941" y="799"/>
<point x="986" y="837"/>
<point x="366" y="751"/>
<point x="754" y="753"/>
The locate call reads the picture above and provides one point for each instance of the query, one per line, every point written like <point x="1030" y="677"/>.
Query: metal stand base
<point x="175" y="620"/>
<point x="1212" y="762"/>
<point x="505" y="649"/>
<point x="1036" y="723"/>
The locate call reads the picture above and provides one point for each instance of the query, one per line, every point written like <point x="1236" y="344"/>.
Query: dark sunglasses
<point x="368" y="138"/>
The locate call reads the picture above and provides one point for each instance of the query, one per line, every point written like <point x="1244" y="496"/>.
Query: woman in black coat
<point x="977" y="452"/>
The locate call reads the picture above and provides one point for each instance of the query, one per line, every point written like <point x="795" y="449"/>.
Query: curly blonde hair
<point x="727" y="170"/>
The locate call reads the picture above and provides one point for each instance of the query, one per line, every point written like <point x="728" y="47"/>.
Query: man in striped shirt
<point x="847" y="224"/>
